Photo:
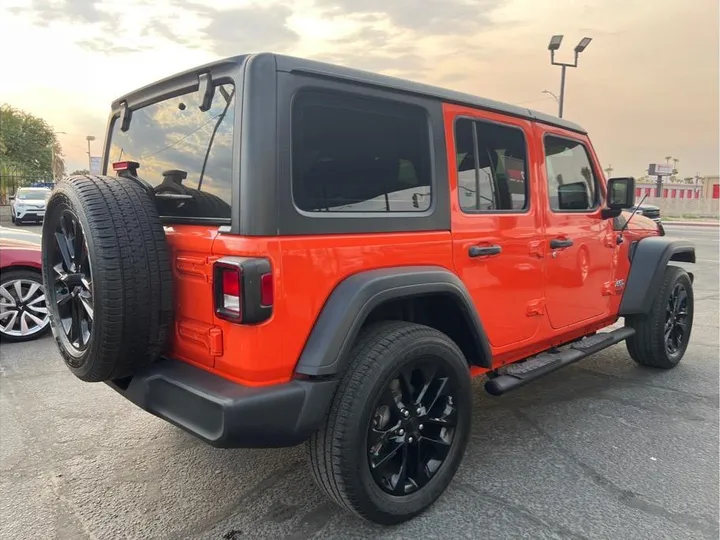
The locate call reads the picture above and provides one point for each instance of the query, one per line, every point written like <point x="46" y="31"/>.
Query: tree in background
<point x="29" y="150"/>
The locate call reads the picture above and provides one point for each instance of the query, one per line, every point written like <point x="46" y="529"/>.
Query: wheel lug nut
<point x="420" y="426"/>
<point x="410" y="439"/>
<point x="419" y="411"/>
<point x="401" y="432"/>
<point x="406" y="413"/>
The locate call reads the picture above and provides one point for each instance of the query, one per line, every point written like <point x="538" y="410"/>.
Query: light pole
<point x="553" y="46"/>
<point x="89" y="138"/>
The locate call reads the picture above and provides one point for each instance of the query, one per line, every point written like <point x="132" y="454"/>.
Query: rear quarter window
<point x="359" y="155"/>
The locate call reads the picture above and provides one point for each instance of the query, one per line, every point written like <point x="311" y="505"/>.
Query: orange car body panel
<point x="528" y="300"/>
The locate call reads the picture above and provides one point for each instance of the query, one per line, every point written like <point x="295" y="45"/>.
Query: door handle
<point x="559" y="243"/>
<point x="484" y="251"/>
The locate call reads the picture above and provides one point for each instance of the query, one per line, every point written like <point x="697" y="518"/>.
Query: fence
<point x="9" y="183"/>
<point x="688" y="208"/>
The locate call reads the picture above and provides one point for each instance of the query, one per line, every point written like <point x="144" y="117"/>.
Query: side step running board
<point x="522" y="373"/>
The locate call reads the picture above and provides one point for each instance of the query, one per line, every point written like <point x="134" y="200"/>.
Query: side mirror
<point x="620" y="195"/>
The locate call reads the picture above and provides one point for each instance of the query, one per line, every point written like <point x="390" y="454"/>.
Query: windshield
<point x="33" y="194"/>
<point x="175" y="135"/>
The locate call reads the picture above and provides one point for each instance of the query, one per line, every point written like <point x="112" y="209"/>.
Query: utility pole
<point x="89" y="138"/>
<point x="553" y="46"/>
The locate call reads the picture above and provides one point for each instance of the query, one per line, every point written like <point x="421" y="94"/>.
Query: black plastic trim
<point x="251" y="271"/>
<point x="501" y="384"/>
<point x="225" y="414"/>
<point x="255" y="209"/>
<point x="342" y="316"/>
<point x="649" y="258"/>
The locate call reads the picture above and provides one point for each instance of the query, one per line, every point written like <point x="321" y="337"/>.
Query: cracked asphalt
<point x="601" y="449"/>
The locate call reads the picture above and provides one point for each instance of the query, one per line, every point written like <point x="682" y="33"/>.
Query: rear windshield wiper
<point x="221" y="117"/>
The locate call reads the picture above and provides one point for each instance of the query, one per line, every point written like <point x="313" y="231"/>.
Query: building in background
<point x="708" y="189"/>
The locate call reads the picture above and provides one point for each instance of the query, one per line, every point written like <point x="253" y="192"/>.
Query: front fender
<point x="648" y="259"/>
<point x="350" y="303"/>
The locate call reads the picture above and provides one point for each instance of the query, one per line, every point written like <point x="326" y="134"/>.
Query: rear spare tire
<point x="106" y="272"/>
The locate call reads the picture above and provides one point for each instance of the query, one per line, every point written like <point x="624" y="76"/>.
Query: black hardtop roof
<point x="312" y="67"/>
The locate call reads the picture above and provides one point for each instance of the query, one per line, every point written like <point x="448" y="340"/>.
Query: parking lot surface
<point x="601" y="449"/>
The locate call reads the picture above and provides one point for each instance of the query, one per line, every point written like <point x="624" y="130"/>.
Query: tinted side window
<point x="571" y="181"/>
<point x="492" y="172"/>
<point x="359" y="155"/>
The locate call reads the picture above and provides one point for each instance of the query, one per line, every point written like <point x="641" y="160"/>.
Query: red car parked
<point x="23" y="313"/>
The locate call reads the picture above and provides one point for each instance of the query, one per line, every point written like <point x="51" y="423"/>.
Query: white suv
<point x="28" y="204"/>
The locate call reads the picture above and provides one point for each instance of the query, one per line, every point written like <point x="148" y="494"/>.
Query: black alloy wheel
<point x="72" y="292"/>
<point x="676" y="324"/>
<point x="412" y="429"/>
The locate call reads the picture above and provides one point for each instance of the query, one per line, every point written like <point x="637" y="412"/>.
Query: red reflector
<point x="267" y="290"/>
<point x="231" y="282"/>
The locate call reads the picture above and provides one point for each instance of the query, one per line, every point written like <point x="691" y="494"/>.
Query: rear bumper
<point x="226" y="414"/>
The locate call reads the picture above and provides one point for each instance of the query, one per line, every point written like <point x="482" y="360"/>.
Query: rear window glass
<point x="359" y="155"/>
<point x="176" y="135"/>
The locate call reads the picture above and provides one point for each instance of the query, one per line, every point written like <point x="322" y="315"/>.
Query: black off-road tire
<point x="338" y="450"/>
<point x="131" y="275"/>
<point x="647" y="347"/>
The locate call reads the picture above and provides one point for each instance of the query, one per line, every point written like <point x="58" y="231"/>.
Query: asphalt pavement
<point x="602" y="449"/>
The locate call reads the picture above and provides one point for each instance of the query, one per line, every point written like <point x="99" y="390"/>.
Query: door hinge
<point x="210" y="336"/>
<point x="536" y="249"/>
<point x="536" y="307"/>
<point x="614" y="287"/>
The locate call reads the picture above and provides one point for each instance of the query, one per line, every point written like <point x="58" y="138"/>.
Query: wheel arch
<point x="23" y="267"/>
<point x="354" y="301"/>
<point x="648" y="259"/>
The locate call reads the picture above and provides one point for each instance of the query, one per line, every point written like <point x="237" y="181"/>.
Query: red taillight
<point x="267" y="290"/>
<point x="231" y="292"/>
<point x="231" y="281"/>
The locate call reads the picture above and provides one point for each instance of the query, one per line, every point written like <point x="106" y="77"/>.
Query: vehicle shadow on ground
<point x="544" y="420"/>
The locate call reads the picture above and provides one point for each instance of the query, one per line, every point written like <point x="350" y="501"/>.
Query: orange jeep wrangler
<point x="291" y="251"/>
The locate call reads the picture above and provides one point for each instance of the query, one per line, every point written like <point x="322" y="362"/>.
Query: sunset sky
<point x="646" y="87"/>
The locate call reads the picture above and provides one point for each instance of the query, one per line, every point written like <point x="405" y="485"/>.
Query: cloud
<point x="226" y="32"/>
<point x="434" y="16"/>
<point x="249" y="29"/>
<point x="48" y="11"/>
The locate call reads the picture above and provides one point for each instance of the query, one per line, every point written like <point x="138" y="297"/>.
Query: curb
<point x="669" y="223"/>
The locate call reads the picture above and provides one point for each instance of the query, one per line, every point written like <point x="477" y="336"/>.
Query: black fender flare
<point x="326" y="350"/>
<point x="648" y="259"/>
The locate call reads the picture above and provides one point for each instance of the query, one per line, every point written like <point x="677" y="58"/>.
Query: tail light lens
<point x="244" y="289"/>
<point x="231" y="287"/>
